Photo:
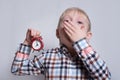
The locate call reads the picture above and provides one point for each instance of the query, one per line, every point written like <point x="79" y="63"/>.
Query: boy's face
<point x="65" y="32"/>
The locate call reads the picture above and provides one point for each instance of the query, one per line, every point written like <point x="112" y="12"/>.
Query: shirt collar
<point x="64" y="50"/>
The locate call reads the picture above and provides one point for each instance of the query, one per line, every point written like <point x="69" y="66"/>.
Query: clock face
<point x="36" y="44"/>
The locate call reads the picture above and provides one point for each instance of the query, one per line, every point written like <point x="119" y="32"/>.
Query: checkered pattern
<point x="58" y="64"/>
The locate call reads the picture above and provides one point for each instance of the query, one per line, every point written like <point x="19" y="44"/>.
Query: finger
<point x="70" y="22"/>
<point x="76" y="27"/>
<point x="33" y="33"/>
<point x="38" y="33"/>
<point x="69" y="26"/>
<point x="28" y="35"/>
<point x="28" y="32"/>
<point x="68" y="31"/>
<point x="29" y="29"/>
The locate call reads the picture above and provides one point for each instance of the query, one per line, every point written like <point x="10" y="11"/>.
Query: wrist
<point x="23" y="48"/>
<point x="82" y="43"/>
<point x="26" y="42"/>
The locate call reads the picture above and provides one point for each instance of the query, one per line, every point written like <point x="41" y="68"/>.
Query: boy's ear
<point x="89" y="35"/>
<point x="57" y="33"/>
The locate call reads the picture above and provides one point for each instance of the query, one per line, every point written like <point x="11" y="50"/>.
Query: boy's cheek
<point x="65" y="37"/>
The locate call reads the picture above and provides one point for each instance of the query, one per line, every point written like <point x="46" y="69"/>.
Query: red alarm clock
<point x="37" y="43"/>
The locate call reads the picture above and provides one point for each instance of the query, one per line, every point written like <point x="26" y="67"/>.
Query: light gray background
<point x="18" y="15"/>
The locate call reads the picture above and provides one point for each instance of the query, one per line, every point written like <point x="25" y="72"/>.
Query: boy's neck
<point x="72" y="51"/>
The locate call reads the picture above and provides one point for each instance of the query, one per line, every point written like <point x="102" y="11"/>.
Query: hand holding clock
<point x="34" y="39"/>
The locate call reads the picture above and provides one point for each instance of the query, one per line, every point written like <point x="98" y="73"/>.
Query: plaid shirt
<point x="58" y="64"/>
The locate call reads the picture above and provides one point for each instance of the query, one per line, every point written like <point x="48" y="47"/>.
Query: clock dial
<point x="37" y="43"/>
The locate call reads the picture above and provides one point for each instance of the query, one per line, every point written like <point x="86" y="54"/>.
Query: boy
<point x="73" y="60"/>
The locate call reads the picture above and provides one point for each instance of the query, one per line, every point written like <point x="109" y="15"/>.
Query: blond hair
<point x="76" y="10"/>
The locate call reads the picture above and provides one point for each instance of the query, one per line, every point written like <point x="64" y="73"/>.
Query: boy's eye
<point x="66" y="20"/>
<point x="79" y="22"/>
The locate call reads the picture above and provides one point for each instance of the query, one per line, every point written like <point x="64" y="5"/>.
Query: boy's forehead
<point x="74" y="14"/>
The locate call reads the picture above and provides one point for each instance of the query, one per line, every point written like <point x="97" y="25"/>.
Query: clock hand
<point x="36" y="43"/>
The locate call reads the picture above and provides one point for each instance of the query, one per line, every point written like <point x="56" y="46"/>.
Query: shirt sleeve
<point x="23" y="66"/>
<point x="92" y="61"/>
